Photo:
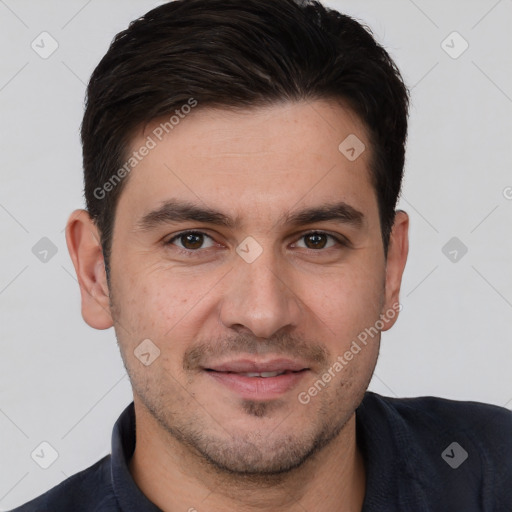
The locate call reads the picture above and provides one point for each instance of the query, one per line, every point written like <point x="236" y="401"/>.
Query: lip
<point x="258" y="388"/>
<point x="251" y="365"/>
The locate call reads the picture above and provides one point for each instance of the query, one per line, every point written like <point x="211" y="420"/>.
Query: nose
<point x="260" y="297"/>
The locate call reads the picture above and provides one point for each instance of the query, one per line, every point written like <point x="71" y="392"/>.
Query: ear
<point x="395" y="264"/>
<point x="83" y="240"/>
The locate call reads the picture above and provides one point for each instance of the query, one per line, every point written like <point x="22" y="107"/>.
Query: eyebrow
<point x="173" y="211"/>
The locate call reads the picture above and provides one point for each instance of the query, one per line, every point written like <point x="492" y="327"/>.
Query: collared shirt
<point x="421" y="455"/>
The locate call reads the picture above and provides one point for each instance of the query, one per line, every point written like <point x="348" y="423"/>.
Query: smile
<point x="258" y="385"/>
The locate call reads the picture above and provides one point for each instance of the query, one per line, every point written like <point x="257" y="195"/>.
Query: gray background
<point x="63" y="383"/>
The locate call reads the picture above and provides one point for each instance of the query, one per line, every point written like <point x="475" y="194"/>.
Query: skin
<point x="200" y="445"/>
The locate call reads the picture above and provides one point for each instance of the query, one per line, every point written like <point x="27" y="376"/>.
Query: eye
<point x="319" y="240"/>
<point x="191" y="240"/>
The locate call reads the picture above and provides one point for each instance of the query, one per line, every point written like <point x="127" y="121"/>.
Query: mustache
<point x="282" y="345"/>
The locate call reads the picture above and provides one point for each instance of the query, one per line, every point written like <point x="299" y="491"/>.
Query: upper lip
<point x="253" y="366"/>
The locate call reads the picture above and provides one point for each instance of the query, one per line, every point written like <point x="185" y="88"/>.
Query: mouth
<point x="265" y="375"/>
<point x="255" y="380"/>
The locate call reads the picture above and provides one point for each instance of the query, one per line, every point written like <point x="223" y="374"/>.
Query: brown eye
<point x="190" y="240"/>
<point x="317" y="240"/>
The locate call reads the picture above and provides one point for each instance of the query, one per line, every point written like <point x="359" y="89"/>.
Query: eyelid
<point x="339" y="238"/>
<point x="187" y="232"/>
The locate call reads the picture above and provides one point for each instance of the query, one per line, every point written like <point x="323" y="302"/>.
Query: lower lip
<point x="258" y="388"/>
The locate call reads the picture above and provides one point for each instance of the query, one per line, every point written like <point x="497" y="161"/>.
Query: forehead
<point x="253" y="161"/>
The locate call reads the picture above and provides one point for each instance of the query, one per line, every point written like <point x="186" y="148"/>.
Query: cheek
<point x="349" y="300"/>
<point x="157" y="303"/>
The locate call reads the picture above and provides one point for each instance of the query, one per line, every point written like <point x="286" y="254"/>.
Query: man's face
<point x="256" y="294"/>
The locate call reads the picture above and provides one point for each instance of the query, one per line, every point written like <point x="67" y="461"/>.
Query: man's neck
<point x="174" y="478"/>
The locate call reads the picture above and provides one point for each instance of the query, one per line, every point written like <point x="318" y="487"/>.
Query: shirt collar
<point x="396" y="470"/>
<point x="128" y="495"/>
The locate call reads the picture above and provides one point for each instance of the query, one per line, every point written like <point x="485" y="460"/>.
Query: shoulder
<point x="428" y="414"/>
<point x="464" y="447"/>
<point x="88" y="490"/>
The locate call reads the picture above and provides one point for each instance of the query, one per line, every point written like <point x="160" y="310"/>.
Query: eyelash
<point x="197" y="252"/>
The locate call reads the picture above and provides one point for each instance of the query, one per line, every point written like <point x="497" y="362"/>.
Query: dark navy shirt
<point x="421" y="454"/>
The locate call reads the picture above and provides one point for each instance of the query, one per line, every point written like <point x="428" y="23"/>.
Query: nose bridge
<point x="258" y="296"/>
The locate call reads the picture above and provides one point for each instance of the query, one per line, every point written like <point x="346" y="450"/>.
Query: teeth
<point x="262" y="374"/>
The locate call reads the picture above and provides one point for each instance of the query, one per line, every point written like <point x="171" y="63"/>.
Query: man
<point x="243" y="160"/>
